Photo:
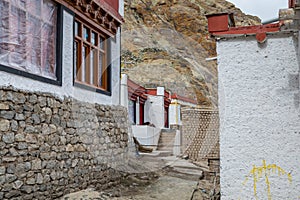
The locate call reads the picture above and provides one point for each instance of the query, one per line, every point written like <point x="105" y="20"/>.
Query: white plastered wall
<point x="154" y="111"/>
<point x="124" y="91"/>
<point x="67" y="88"/>
<point x="259" y="118"/>
<point x="174" y="113"/>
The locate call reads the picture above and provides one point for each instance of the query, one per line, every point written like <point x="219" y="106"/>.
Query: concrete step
<point x="164" y="148"/>
<point x="166" y="140"/>
<point x="168" y="131"/>
<point x="158" y="153"/>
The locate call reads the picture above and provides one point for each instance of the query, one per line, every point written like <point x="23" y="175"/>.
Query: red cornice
<point x="135" y="91"/>
<point x="268" y="28"/>
<point x="98" y="11"/>
<point x="110" y="9"/>
<point x="223" y="25"/>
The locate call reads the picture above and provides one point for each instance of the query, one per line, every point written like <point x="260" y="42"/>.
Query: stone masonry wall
<point x="50" y="147"/>
<point x="200" y="129"/>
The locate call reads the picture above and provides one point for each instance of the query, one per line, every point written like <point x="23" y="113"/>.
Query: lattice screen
<point x="200" y="134"/>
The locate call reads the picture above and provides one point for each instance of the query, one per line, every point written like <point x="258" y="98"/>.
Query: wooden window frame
<point x="86" y="70"/>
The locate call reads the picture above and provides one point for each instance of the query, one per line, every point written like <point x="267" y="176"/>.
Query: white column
<point x="124" y="91"/>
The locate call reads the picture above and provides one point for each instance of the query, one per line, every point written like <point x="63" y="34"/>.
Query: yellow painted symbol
<point x="265" y="171"/>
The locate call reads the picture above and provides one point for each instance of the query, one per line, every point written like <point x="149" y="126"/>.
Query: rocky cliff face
<point x="166" y="43"/>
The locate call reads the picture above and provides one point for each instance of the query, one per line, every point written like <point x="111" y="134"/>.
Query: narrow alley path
<point x="168" y="177"/>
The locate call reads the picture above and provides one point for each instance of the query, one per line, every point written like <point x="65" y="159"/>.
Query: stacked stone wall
<point x="200" y="130"/>
<point x="50" y="147"/>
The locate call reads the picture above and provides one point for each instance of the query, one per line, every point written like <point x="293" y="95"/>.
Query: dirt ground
<point x="164" y="178"/>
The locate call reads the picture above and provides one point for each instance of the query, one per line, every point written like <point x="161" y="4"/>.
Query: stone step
<point x="166" y="140"/>
<point x="170" y="141"/>
<point x="166" y="143"/>
<point x="168" y="131"/>
<point x="167" y="136"/>
<point x="166" y="147"/>
<point x="158" y="153"/>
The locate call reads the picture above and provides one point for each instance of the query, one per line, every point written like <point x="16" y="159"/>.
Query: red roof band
<point x="292" y="3"/>
<point x="112" y="7"/>
<point x="135" y="91"/>
<point x="220" y="24"/>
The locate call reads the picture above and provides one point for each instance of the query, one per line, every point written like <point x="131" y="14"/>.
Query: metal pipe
<point x="270" y="21"/>
<point x="211" y="58"/>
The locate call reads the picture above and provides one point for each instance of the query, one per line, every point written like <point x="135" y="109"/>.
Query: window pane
<point x="48" y="50"/>
<point x="86" y="33"/>
<point x="28" y="42"/>
<point x="4" y="32"/>
<point x="102" y="40"/>
<point x="94" y="35"/>
<point x="17" y="38"/>
<point x="19" y="3"/>
<point x="49" y="12"/>
<point x="76" y="28"/>
<point x="83" y="64"/>
<point x="100" y="70"/>
<point x="34" y="7"/>
<point x="76" y="61"/>
<point x="34" y="44"/>
<point x="93" y="64"/>
<point x="48" y="38"/>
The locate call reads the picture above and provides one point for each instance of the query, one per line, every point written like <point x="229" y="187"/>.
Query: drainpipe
<point x="270" y="21"/>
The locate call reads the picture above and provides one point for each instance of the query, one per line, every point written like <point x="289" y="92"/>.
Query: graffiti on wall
<point x="264" y="172"/>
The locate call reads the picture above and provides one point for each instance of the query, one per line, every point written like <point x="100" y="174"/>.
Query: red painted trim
<point x="135" y="91"/>
<point x="250" y="29"/>
<point x="113" y="3"/>
<point x="166" y="116"/>
<point x="112" y="7"/>
<point x="143" y="98"/>
<point x="142" y="110"/>
<point x="261" y="37"/>
<point x="217" y="22"/>
<point x="292" y="3"/>
<point x="152" y="92"/>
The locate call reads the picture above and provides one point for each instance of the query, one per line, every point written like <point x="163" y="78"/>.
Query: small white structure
<point x="177" y="103"/>
<point x="154" y="111"/>
<point x="259" y="111"/>
<point x="147" y="135"/>
<point x="151" y="110"/>
<point x="147" y="110"/>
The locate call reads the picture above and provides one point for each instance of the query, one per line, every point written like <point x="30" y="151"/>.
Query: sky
<point x="264" y="9"/>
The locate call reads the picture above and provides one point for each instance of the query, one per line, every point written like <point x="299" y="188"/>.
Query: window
<point x="28" y="37"/>
<point x="90" y="56"/>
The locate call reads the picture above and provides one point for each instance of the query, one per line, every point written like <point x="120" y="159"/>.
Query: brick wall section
<point x="200" y="134"/>
<point x="50" y="147"/>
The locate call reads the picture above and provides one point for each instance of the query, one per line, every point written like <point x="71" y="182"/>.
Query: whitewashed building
<point x="259" y="107"/>
<point x="68" y="48"/>
<point x="152" y="110"/>
<point x="62" y="128"/>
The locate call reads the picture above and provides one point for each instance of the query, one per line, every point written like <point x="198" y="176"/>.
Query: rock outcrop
<point x="166" y="43"/>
